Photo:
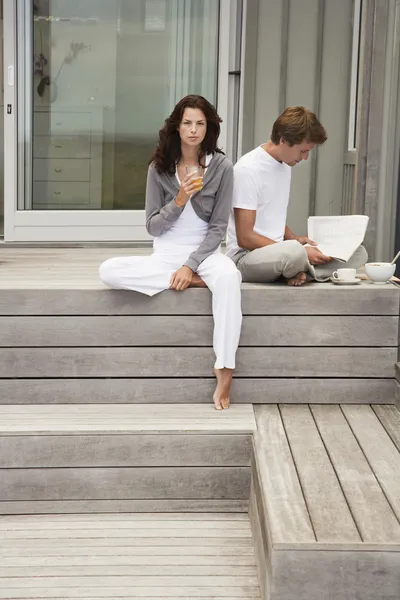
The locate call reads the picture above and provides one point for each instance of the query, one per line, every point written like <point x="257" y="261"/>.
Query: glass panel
<point x="106" y="73"/>
<point x="1" y="126"/>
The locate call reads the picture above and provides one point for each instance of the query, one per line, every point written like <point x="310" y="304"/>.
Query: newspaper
<point x="338" y="237"/>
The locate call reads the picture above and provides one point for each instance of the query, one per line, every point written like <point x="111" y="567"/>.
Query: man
<point x="259" y="241"/>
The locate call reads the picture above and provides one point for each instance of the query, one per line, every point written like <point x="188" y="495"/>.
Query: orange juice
<point x="198" y="182"/>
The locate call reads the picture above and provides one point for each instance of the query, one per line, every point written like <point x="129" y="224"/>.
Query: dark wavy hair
<point x="168" y="150"/>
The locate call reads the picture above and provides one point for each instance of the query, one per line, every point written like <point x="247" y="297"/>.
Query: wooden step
<point x="325" y="501"/>
<point x="68" y="339"/>
<point x="129" y="556"/>
<point x="57" y="458"/>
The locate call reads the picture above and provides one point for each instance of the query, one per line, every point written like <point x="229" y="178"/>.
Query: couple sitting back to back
<point x="188" y="220"/>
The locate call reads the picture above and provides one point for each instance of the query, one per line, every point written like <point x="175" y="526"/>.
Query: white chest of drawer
<point x="67" y="158"/>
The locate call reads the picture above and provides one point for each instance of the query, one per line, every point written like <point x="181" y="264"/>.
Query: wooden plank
<point x="131" y="517"/>
<point x="106" y="506"/>
<point x="133" y="591"/>
<point x="170" y="362"/>
<point x="130" y="546"/>
<point x="280" y="487"/>
<point x="121" y="570"/>
<point x="326" y="504"/>
<point x="125" y="450"/>
<point x="389" y="416"/>
<point x="74" y="419"/>
<point x="144" y="561"/>
<point x="125" y="581"/>
<point x="313" y="299"/>
<point x="371" y="511"/>
<point x="168" y="565"/>
<point x="379" y="449"/>
<point x="197" y="331"/>
<point x="147" y="535"/>
<point x="160" y="390"/>
<point x="317" y="574"/>
<point x="126" y="483"/>
<point x="113" y="527"/>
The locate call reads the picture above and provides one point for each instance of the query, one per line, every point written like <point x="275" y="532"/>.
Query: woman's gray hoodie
<point x="212" y="204"/>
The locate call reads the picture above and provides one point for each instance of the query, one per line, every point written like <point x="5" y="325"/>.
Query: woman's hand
<point x="188" y="187"/>
<point x="181" y="279"/>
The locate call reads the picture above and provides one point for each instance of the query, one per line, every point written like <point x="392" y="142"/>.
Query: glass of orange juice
<point x="196" y="170"/>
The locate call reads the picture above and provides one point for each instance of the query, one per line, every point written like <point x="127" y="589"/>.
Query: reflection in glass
<point x="105" y="75"/>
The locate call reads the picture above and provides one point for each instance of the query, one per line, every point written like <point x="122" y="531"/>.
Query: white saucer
<point x="355" y="281"/>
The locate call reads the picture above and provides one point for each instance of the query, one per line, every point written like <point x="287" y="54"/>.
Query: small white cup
<point x="380" y="272"/>
<point x="345" y="274"/>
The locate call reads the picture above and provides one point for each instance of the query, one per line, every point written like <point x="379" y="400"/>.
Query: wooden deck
<point x="127" y="556"/>
<point x="101" y="416"/>
<point x="325" y="503"/>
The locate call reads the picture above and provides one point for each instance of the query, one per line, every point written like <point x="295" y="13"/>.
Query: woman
<point x="188" y="223"/>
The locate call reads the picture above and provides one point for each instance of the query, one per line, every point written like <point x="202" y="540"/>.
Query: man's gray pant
<point x="288" y="258"/>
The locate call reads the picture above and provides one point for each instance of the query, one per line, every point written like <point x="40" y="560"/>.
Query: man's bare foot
<point x="300" y="279"/>
<point x="197" y="282"/>
<point x="221" y="395"/>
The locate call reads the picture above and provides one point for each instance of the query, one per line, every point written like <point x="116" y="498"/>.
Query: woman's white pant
<point x="152" y="274"/>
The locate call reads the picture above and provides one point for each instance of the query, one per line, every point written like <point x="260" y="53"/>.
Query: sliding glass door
<point x="90" y="83"/>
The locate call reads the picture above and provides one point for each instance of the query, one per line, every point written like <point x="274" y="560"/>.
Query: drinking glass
<point x="197" y="170"/>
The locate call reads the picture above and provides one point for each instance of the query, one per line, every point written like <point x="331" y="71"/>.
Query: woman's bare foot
<point x="197" y="282"/>
<point x="300" y="279"/>
<point x="221" y="395"/>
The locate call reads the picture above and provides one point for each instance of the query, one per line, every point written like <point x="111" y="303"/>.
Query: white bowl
<point x="380" y="272"/>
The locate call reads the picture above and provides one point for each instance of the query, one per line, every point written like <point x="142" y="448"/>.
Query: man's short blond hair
<point x="297" y="125"/>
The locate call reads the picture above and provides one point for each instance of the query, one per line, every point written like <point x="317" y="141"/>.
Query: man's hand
<point x="181" y="279"/>
<point x="303" y="239"/>
<point x="315" y="256"/>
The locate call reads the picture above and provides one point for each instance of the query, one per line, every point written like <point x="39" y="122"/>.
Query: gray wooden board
<point x="135" y="591"/>
<point x="389" y="416"/>
<point x="275" y="299"/>
<point x="379" y="449"/>
<point x="371" y="511"/>
<point x="259" y="546"/>
<point x="173" y="362"/>
<point x="95" y="419"/>
<point x="287" y="511"/>
<point x="326" y="504"/>
<point x="248" y="390"/>
<point x="176" y="330"/>
<point x="125" y="450"/>
<point x="397" y="371"/>
<point x="397" y="394"/>
<point x="126" y="483"/>
<point x="121" y="570"/>
<point x="313" y="575"/>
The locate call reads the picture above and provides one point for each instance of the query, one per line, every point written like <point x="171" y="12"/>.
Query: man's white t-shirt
<point x="261" y="183"/>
